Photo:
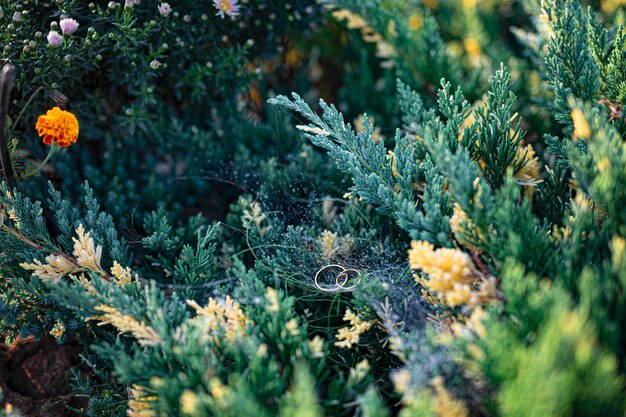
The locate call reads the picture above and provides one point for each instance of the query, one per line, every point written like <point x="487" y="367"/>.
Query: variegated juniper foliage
<point x="480" y="198"/>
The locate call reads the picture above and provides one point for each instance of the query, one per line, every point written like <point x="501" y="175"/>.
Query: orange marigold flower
<point x="58" y="126"/>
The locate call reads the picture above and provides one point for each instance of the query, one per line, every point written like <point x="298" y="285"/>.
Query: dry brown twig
<point x="6" y="83"/>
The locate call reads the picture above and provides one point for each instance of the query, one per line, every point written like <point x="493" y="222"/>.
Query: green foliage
<point x="545" y="350"/>
<point x="301" y="400"/>
<point x="212" y="264"/>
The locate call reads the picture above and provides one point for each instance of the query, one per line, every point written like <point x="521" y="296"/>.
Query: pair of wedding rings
<point x="344" y="276"/>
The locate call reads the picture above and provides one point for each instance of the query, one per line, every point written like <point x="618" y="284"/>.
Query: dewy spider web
<point x="382" y="278"/>
<point x="386" y="288"/>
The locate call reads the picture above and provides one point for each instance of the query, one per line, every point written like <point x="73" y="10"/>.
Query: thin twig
<point x="30" y="100"/>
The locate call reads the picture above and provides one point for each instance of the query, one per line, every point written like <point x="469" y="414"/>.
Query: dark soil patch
<point x="35" y="376"/>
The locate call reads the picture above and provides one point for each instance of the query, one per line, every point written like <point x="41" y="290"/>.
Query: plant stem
<point x="53" y="149"/>
<point x="6" y="82"/>
<point x="30" y="100"/>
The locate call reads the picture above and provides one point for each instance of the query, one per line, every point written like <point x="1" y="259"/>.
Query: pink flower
<point x="227" y="7"/>
<point x="54" y="39"/>
<point x="68" y="26"/>
<point x="165" y="9"/>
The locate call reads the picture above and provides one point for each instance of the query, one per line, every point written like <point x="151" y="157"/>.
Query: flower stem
<point x="53" y="149"/>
